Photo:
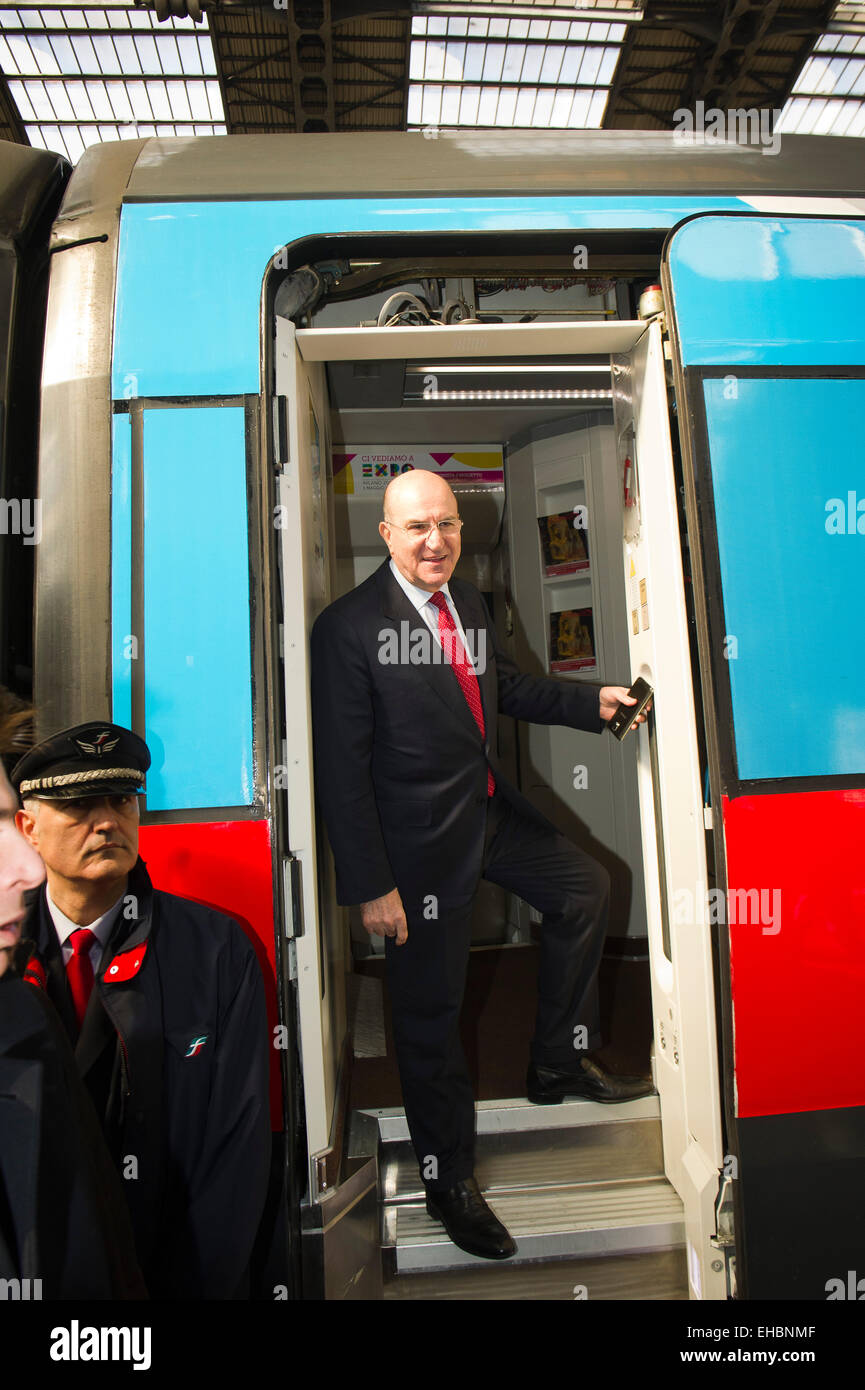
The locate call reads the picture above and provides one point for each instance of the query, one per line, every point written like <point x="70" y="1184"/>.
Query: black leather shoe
<point x="546" y="1086"/>
<point x="469" y="1222"/>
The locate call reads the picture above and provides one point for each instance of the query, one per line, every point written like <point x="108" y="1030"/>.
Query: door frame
<point x="350" y="344"/>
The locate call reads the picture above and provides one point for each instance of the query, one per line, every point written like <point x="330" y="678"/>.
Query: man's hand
<point x="612" y="696"/>
<point x="385" y="917"/>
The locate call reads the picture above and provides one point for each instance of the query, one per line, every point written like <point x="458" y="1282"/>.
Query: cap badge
<point x="102" y="743"/>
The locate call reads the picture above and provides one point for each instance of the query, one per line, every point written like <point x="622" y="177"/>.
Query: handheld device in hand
<point x="625" y="715"/>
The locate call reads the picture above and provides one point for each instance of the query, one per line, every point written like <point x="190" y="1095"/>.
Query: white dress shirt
<point x="428" y="611"/>
<point x="101" y="930"/>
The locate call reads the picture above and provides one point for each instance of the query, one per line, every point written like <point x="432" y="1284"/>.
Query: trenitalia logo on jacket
<point x="174" y="1052"/>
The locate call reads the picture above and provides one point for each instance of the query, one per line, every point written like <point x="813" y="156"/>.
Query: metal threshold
<point x="511" y="1116"/>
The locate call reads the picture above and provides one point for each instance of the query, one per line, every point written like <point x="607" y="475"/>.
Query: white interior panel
<point x="467" y="340"/>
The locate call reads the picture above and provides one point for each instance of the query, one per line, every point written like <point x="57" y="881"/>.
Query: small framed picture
<point x="565" y="547"/>
<point x="572" y="640"/>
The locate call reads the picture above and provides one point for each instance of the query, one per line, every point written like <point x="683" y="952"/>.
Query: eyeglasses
<point x="421" y="530"/>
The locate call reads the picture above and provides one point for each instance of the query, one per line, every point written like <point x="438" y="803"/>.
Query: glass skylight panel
<point x="828" y="97"/>
<point x="491" y="70"/>
<point x="115" y="71"/>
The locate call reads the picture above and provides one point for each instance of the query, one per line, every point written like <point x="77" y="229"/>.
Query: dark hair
<point x="16" y="726"/>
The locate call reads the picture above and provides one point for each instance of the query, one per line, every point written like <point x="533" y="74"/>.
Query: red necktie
<point x="79" y="971"/>
<point x="455" y="655"/>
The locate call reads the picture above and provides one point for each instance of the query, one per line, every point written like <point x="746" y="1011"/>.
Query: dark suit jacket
<point x="401" y="767"/>
<point x="63" y="1219"/>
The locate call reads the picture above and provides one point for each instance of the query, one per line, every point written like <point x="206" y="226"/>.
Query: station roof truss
<point x="741" y="54"/>
<point x="74" y="74"/>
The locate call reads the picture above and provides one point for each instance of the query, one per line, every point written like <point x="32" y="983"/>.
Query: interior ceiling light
<point x="550" y="394"/>
<point x="509" y="369"/>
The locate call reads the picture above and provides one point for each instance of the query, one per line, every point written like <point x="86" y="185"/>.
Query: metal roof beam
<point x="274" y="56"/>
<point x="264" y="98"/>
<point x="341" y="55"/>
<point x="11" y="124"/>
<point x="487" y="39"/>
<point x="344" y="108"/>
<point x="507" y="11"/>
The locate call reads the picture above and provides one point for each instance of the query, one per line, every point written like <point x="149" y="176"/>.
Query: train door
<point x="339" y="1218"/>
<point x="670" y="791"/>
<point x="671" y="806"/>
<point x="766" y="316"/>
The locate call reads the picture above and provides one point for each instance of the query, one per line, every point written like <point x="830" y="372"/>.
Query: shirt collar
<point x="414" y="592"/>
<point x="101" y="928"/>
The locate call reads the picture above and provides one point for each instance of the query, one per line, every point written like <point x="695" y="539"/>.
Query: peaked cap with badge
<point x="95" y="759"/>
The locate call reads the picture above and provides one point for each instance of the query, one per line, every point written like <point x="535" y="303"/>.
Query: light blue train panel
<point x="195" y="646"/>
<point x="788" y="484"/>
<point x="189" y="275"/>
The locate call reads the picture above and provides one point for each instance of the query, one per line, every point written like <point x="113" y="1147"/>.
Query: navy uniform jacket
<point x="401" y="768"/>
<point x="174" y="1050"/>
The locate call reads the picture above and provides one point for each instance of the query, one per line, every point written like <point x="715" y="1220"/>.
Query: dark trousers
<point x="426" y="978"/>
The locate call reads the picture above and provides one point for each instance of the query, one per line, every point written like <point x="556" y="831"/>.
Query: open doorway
<point x="577" y="402"/>
<point x="524" y="467"/>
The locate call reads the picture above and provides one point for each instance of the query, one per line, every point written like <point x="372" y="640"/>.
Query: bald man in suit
<point x="408" y="682"/>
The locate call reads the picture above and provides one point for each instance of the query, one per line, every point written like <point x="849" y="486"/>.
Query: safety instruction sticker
<point x="644" y="604"/>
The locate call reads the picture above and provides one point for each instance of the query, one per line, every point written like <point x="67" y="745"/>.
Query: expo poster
<point x="365" y="469"/>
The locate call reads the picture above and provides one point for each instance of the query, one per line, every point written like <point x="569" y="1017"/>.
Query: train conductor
<point x="163" y="1001"/>
<point x="418" y="810"/>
